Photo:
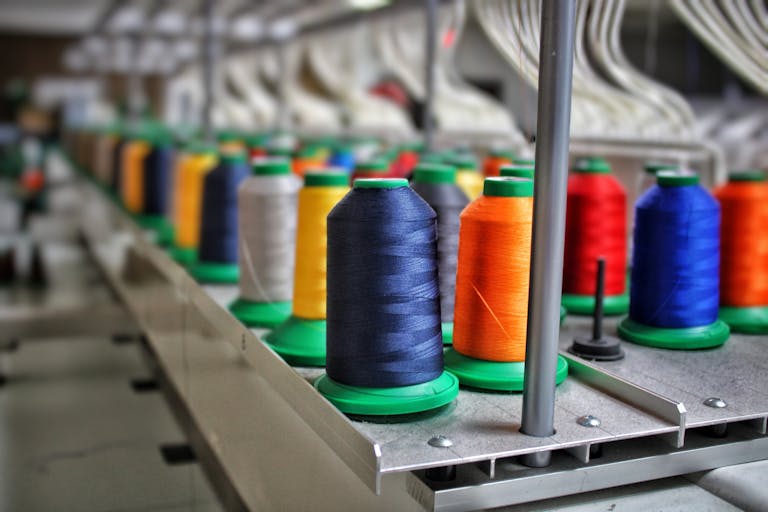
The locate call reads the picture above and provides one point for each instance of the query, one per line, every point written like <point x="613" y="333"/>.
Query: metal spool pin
<point x="599" y="347"/>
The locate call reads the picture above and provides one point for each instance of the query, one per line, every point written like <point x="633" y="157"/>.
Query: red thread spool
<point x="595" y="226"/>
<point x="744" y="252"/>
<point x="377" y="168"/>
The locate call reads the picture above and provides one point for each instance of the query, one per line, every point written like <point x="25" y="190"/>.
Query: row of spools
<point x="371" y="282"/>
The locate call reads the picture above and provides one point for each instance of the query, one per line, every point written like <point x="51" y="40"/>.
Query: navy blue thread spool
<point x="383" y="344"/>
<point x="675" y="282"/>
<point x="116" y="172"/>
<point x="436" y="184"/>
<point x="217" y="254"/>
<point x="158" y="167"/>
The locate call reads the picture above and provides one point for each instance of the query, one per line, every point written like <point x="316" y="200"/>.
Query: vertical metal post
<point x="429" y="73"/>
<point x="135" y="82"/>
<point x="283" y="110"/>
<point x="210" y="68"/>
<point x="552" y="138"/>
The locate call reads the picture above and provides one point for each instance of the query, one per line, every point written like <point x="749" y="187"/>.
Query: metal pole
<point x="429" y="72"/>
<point x="210" y="68"/>
<point x="552" y="137"/>
<point x="135" y="82"/>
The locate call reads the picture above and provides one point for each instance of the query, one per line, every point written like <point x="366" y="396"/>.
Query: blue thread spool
<point x="217" y="254"/>
<point x="158" y="166"/>
<point x="384" y="346"/>
<point x="675" y="282"/>
<point x="343" y="156"/>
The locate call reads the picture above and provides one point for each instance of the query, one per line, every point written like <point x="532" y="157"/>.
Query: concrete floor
<point x="75" y="436"/>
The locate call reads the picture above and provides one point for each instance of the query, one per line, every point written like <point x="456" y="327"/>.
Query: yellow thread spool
<point x="188" y="197"/>
<point x="469" y="180"/>
<point x="301" y="339"/>
<point x="132" y="183"/>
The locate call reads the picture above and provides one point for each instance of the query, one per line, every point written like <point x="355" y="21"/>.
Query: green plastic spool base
<point x="159" y="225"/>
<point x="494" y="375"/>
<point x="184" y="255"/>
<point x="300" y="341"/>
<point x="390" y="401"/>
<point x="585" y="304"/>
<point x="747" y="320"/>
<point x="688" y="338"/>
<point x="260" y="314"/>
<point x="447" y="333"/>
<point x="207" y="272"/>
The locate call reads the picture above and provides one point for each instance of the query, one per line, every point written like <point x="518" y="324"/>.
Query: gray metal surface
<point x="636" y="462"/>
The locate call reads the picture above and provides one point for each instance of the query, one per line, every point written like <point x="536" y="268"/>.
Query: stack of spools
<point x="217" y="255"/>
<point x="267" y="233"/>
<point x="492" y="282"/>
<point x="384" y="346"/>
<point x="744" y="252"/>
<point x="300" y="340"/>
<point x="675" y="280"/>
<point x="436" y="184"/>
<point x="595" y="227"/>
<point x="197" y="160"/>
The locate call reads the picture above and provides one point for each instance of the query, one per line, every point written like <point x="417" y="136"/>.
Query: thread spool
<point x="267" y="233"/>
<point x="132" y="185"/>
<point x="675" y="280"/>
<point x="217" y="256"/>
<point x="647" y="178"/>
<point x="492" y="282"/>
<point x="308" y="157"/>
<point x="406" y="157"/>
<point x="198" y="160"/>
<point x="468" y="178"/>
<point x="495" y="159"/>
<point x="384" y="346"/>
<point x="436" y="184"/>
<point x="116" y="172"/>
<point x="744" y="252"/>
<point x="157" y="168"/>
<point x="595" y="227"/>
<point x="257" y="145"/>
<point x="343" y="157"/>
<point x="376" y="168"/>
<point x="300" y="340"/>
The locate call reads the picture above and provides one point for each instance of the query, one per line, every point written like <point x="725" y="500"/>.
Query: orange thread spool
<point x="495" y="159"/>
<point x="744" y="243"/>
<point x="491" y="311"/>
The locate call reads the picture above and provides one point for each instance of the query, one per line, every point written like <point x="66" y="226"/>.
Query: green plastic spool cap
<point x="207" y="272"/>
<point x="280" y="151"/>
<point x="200" y="148"/>
<point x="585" y="304"/>
<point x="184" y="255"/>
<point x="233" y="157"/>
<point x="676" y="179"/>
<point x="502" y="153"/>
<point x="654" y="167"/>
<point x="592" y="165"/>
<point x="270" y="166"/>
<point x="366" y="401"/>
<point x="378" y="165"/>
<point x="380" y="183"/>
<point x="326" y="179"/>
<point x="524" y="161"/>
<point x="434" y="173"/>
<point x="260" y="314"/>
<point x="689" y="338"/>
<point x="746" y="320"/>
<point x="494" y="375"/>
<point x="411" y="146"/>
<point x="228" y="136"/>
<point x="300" y="341"/>
<point x="748" y="175"/>
<point x="501" y="186"/>
<point x="432" y="158"/>
<point x="517" y="171"/>
<point x="447" y="328"/>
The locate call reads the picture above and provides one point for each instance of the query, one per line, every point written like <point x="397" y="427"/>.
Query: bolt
<point x="715" y="403"/>
<point x="440" y="442"/>
<point x="588" y="421"/>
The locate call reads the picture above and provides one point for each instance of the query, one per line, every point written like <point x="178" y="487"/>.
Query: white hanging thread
<point x="267" y="236"/>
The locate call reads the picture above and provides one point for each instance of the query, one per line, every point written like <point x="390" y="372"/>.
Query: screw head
<point x="440" y="442"/>
<point x="588" y="421"/>
<point x="715" y="403"/>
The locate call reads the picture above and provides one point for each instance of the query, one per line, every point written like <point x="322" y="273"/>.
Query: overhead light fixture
<point x="367" y="5"/>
